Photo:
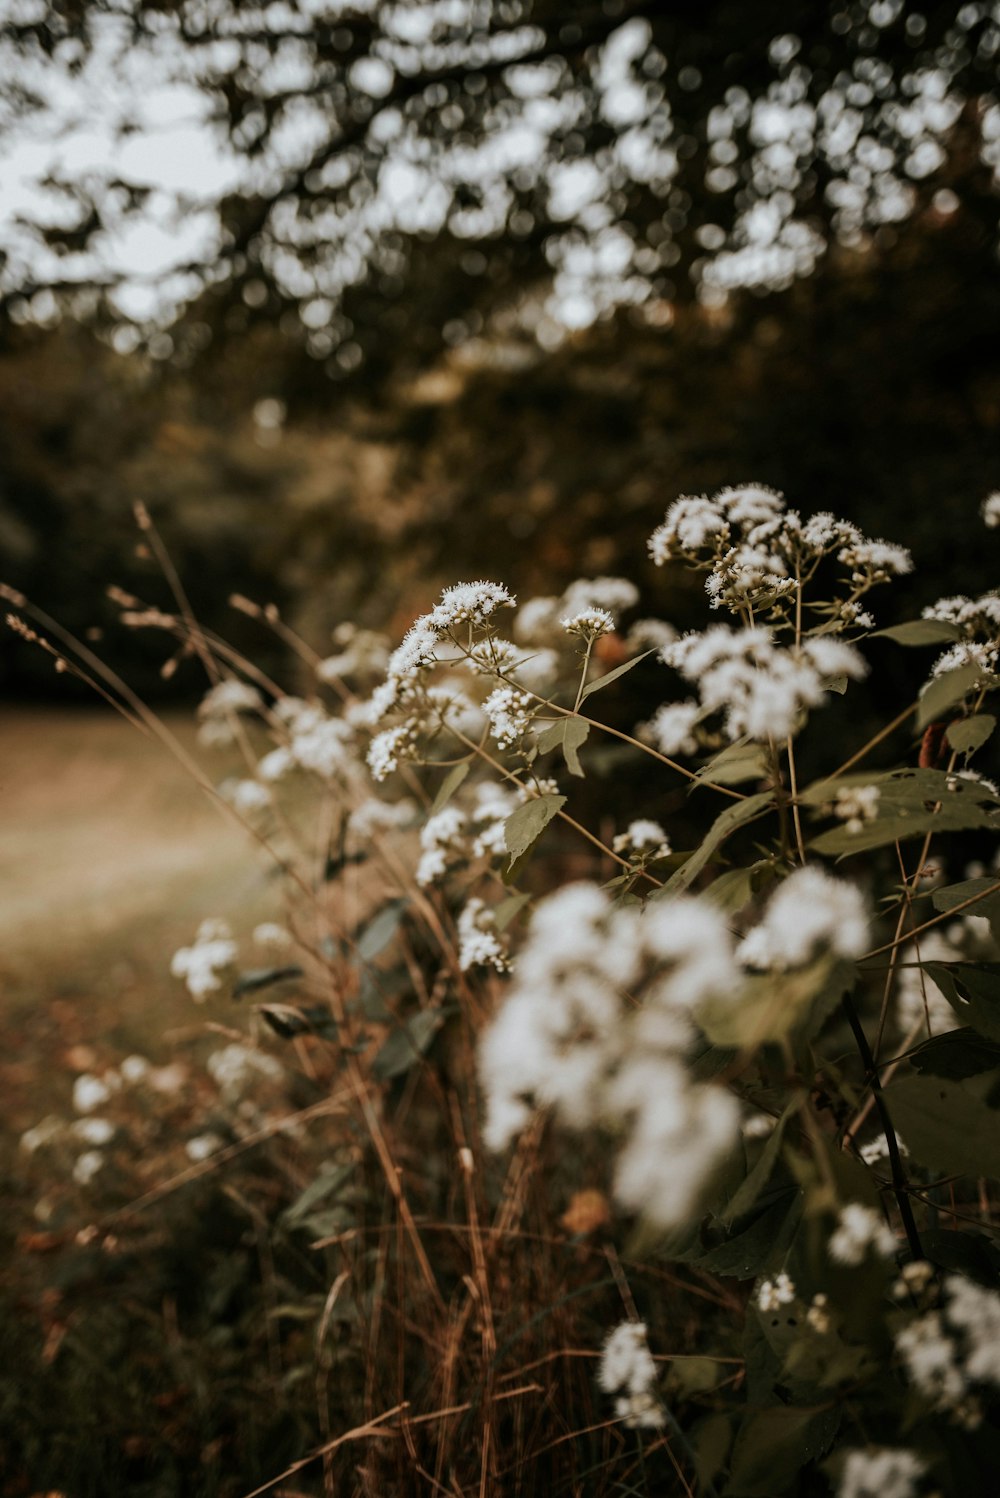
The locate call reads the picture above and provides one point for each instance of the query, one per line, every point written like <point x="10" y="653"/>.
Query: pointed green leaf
<point x="911" y="803"/>
<point x="604" y="681"/>
<point x="263" y="977"/>
<point x="735" y="764"/>
<point x="943" y="692"/>
<point x="568" y="734"/>
<point x="988" y="907"/>
<point x="449" y="786"/>
<point x="968" y="734"/>
<point x="759" y="1176"/>
<point x="947" y="1124"/>
<point x="381" y="929"/>
<point x="525" y="825"/>
<point x="973" y="991"/>
<point x="920" y="632"/>
<point x="508" y="910"/>
<point x="406" y="1045"/>
<point x="736" y="815"/>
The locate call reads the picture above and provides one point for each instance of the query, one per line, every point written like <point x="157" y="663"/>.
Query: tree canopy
<point x="385" y="178"/>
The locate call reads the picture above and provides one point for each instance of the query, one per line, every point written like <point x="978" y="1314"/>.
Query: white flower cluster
<point x="773" y="1294"/>
<point x="859" y="1231"/>
<point x="361" y="652"/>
<point x="855" y="805"/>
<point x="596" y="1025"/>
<point x="442" y="840"/>
<point x="948" y="1352"/>
<point x="373" y="816"/>
<point x="454" y="836"/>
<point x="589" y="624"/>
<point x="642" y="840"/>
<point x="314" y="741"/>
<point x="627" y="1370"/>
<point x="235" y="1068"/>
<point x="480" y="944"/>
<point x="509" y="713"/>
<point x="990" y="510"/>
<point x="761" y="689"/>
<point x="219" y="707"/>
<point x="810" y="912"/>
<point x="200" y="965"/>
<point x="538" y="621"/>
<point x="759" y="554"/>
<point x="978" y="620"/>
<point x="880" y="1472"/>
<point x="248" y="797"/>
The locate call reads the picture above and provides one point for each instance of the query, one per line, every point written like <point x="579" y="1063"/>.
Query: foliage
<point x="393" y="179"/>
<point x="575" y="1075"/>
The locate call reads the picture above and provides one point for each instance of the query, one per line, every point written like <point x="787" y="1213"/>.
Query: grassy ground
<point x="109" y="859"/>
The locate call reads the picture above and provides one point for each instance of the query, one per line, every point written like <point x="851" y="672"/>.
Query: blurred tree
<point x="387" y="179"/>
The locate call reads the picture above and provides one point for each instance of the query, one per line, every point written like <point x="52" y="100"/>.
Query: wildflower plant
<point x="549" y="952"/>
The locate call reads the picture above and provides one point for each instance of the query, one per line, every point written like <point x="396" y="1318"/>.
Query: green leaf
<point x="736" y="887"/>
<point x="956" y="894"/>
<point x="947" y="1124"/>
<point x="605" y="681"/>
<point x="508" y="910"/>
<point x="968" y="734"/>
<point x="943" y="692"/>
<point x="920" y="632"/>
<point x="735" y="764"/>
<point x="911" y="803"/>
<point x="405" y="1046"/>
<point x="329" y="1180"/>
<point x="736" y="815"/>
<point x="774" y="1445"/>
<point x="973" y="991"/>
<point x="568" y="734"/>
<point x="525" y="825"/>
<point x="759" y="1176"/>
<point x="449" y="786"/>
<point x="956" y="1054"/>
<point x="770" y="1006"/>
<point x="381" y="929"/>
<point x="758" y="1246"/>
<point x="263" y="977"/>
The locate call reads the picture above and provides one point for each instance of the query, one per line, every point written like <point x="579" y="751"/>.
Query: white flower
<point x="880" y="1473"/>
<point x="855" y="805"/>
<point x="229" y="696"/>
<point x="818" y="1314"/>
<point x="761" y="688"/>
<point x="270" y="934"/>
<point x="493" y="656"/>
<point x="87" y="1166"/>
<point x="389" y="747"/>
<point x="627" y="1370"/>
<point x="47" y="1132"/>
<point x="535" y="621"/>
<point x="990" y="510"/>
<point x="201" y="964"/>
<point x="90" y="1092"/>
<point x="94" y="1131"/>
<point x="643" y="838"/>
<point x="509" y="712"/>
<point x="249" y="797"/>
<point x="690" y="525"/>
<point x="375" y="815"/>
<point x="934" y="1361"/>
<point x="469" y="603"/>
<point x="321" y="744"/>
<point x="614" y="594"/>
<point x="650" y="634"/>
<point x="681" y="1133"/>
<point x="671" y="729"/>
<point x="976" y="1313"/>
<point x="276" y="763"/>
<point x="860" y="1229"/>
<point x="202" y="1146"/>
<point x="589" y="623"/>
<point x="773" y="1294"/>
<point x="875" y="561"/>
<point x="134" y="1069"/>
<point x="236" y="1067"/>
<point x="810" y="912"/>
<point x="480" y="944"/>
<point x="442" y="839"/>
